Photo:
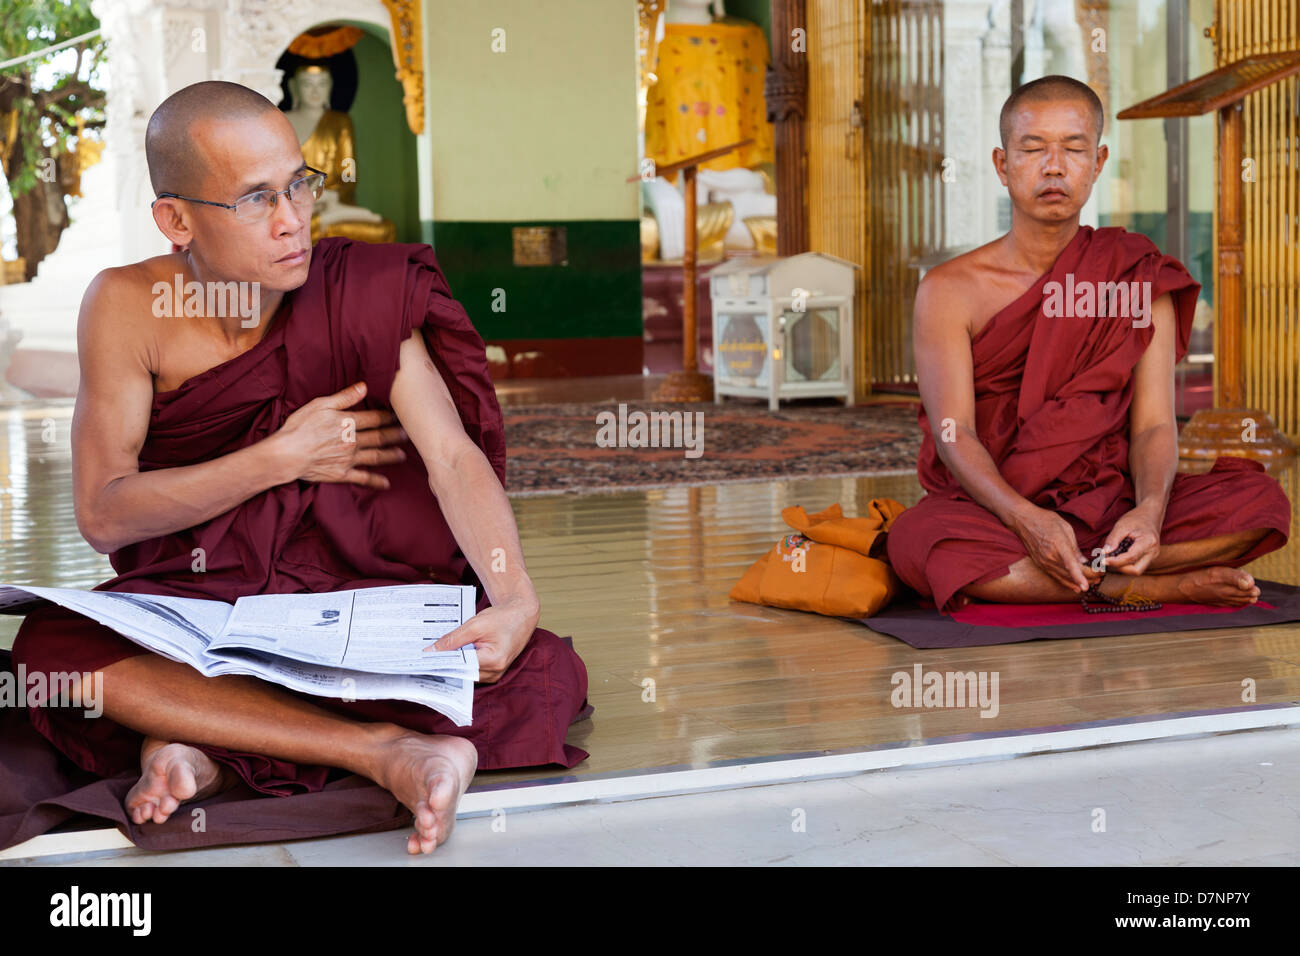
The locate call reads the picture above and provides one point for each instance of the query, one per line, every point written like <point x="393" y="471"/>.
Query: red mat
<point x="921" y="625"/>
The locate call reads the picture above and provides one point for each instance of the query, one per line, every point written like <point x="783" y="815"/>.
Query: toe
<point x="424" y="815"/>
<point x="180" y="781"/>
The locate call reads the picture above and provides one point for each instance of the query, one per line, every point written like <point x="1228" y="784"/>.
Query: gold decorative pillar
<point x="408" y="57"/>
<point x="647" y="50"/>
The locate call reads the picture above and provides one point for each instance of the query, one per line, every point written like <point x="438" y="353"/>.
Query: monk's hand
<point x="1143" y="527"/>
<point x="325" y="441"/>
<point x="498" y="633"/>
<point x="1050" y="542"/>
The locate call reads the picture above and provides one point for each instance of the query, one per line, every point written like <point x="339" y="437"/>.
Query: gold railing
<point x="837" y="181"/>
<point x="905" y="127"/>
<point x="1271" y="213"/>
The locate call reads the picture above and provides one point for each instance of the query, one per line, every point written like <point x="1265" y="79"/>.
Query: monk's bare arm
<point x="460" y="476"/>
<point x="1153" y="431"/>
<point x="116" y="504"/>
<point x="941" y="345"/>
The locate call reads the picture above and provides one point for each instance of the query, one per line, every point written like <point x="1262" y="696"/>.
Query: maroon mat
<point x="40" y="790"/>
<point x="922" y="626"/>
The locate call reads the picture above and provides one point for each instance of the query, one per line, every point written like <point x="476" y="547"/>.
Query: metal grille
<point x="904" y="164"/>
<point x="875" y="154"/>
<point x="837" y="179"/>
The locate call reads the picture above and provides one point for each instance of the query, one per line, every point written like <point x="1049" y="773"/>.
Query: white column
<point x="997" y="87"/>
<point x="969" y="175"/>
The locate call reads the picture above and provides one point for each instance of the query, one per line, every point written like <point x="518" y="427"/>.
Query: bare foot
<point x="172" y="774"/>
<point x="1230" y="587"/>
<point x="429" y="775"/>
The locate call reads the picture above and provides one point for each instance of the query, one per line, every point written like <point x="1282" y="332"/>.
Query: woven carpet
<point x="553" y="449"/>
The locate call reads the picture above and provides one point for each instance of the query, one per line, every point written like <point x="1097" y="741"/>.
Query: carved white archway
<point x="256" y="32"/>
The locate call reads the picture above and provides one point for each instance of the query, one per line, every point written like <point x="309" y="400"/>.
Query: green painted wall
<point x="387" y="178"/>
<point x="597" y="294"/>
<point x="759" y="11"/>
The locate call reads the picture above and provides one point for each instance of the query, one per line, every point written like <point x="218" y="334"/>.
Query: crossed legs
<point x="1166" y="579"/>
<point x="167" y="701"/>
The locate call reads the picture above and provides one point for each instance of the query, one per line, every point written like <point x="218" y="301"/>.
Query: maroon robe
<point x="344" y="324"/>
<point x="1052" y="397"/>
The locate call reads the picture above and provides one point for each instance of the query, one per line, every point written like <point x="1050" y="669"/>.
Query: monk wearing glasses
<point x="260" y="415"/>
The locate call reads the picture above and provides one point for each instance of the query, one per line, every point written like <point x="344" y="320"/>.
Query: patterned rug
<point x="613" y="446"/>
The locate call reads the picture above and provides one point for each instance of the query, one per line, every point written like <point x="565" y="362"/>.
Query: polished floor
<point x="681" y="676"/>
<point x="640" y="581"/>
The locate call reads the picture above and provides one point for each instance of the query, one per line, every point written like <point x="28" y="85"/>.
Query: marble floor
<point x="1216" y="800"/>
<point x="683" y="677"/>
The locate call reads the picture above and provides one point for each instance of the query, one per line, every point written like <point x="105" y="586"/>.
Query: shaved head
<point x="211" y="144"/>
<point x="1051" y="89"/>
<point x="176" y="163"/>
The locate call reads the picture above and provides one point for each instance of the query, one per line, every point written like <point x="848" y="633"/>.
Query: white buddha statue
<point x="694" y="11"/>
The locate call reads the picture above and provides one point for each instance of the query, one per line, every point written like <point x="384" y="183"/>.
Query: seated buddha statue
<point x="328" y="140"/>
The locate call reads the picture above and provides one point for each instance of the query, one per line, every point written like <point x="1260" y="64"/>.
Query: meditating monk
<point x="338" y="429"/>
<point x="1045" y="361"/>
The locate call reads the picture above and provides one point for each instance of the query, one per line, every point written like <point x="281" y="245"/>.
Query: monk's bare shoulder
<point x="949" y="293"/>
<point x="117" y="320"/>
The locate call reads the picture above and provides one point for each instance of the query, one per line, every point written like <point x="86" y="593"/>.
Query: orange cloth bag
<point x="827" y="565"/>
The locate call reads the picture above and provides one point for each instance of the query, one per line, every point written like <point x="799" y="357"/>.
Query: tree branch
<point x="78" y="88"/>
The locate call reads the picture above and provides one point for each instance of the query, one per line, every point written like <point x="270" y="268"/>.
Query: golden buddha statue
<point x="328" y="142"/>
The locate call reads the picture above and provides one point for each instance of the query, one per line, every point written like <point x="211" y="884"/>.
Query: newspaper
<point x="363" y="644"/>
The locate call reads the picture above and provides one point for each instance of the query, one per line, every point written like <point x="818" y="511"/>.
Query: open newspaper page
<point x="381" y="630"/>
<point x="179" y="629"/>
<point x="333" y="655"/>
<point x="452" y="696"/>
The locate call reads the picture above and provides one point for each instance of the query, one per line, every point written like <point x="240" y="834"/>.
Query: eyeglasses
<point x="257" y="206"/>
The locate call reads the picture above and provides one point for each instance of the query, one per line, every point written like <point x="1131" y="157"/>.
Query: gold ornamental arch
<point x="407" y="39"/>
